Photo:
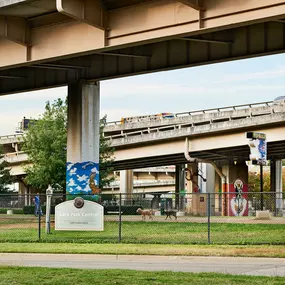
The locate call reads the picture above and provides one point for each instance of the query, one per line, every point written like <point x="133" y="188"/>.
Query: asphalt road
<point x="229" y="265"/>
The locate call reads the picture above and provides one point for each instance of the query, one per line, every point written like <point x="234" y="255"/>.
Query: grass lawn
<point x="147" y="249"/>
<point x="28" y="276"/>
<point x="153" y="233"/>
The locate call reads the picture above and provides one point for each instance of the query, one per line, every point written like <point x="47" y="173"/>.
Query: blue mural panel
<point x="82" y="178"/>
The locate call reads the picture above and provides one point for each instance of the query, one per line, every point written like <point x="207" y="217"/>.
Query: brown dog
<point x="145" y="213"/>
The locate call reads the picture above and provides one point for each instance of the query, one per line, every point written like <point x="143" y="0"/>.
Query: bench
<point x="262" y="215"/>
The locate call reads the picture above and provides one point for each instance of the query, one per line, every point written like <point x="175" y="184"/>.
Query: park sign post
<point x="258" y="147"/>
<point x="79" y="215"/>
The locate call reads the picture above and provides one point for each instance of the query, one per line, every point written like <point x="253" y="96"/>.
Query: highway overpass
<point x="215" y="134"/>
<point x="48" y="43"/>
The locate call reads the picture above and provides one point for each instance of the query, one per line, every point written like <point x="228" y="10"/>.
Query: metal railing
<point x="194" y="120"/>
<point x="182" y="127"/>
<point x="218" y="218"/>
<point x="146" y="183"/>
<point x="211" y="110"/>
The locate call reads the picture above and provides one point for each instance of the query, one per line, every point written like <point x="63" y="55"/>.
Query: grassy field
<point x="147" y="249"/>
<point x="43" y="276"/>
<point x="25" y="230"/>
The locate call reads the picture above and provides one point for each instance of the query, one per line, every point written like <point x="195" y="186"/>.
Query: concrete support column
<point x="126" y="185"/>
<point x="83" y="138"/>
<point x="192" y="186"/>
<point x="29" y="195"/>
<point x="218" y="198"/>
<point x="24" y="195"/>
<point x="179" y="185"/>
<point x="196" y="202"/>
<point x="276" y="183"/>
<point x="208" y="172"/>
<point x="237" y="182"/>
<point x="225" y="189"/>
<point x="273" y="176"/>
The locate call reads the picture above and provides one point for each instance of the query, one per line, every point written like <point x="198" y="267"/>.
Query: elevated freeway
<point x="215" y="134"/>
<point x="193" y="118"/>
<point x="48" y="43"/>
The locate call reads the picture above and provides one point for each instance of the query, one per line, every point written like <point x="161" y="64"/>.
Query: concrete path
<point x="230" y="265"/>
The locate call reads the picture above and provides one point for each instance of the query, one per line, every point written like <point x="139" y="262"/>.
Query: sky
<point x="210" y="86"/>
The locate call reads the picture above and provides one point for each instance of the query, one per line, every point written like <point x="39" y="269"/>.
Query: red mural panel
<point x="238" y="198"/>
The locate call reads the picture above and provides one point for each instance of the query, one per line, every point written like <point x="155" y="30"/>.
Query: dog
<point x="170" y="213"/>
<point x="145" y="213"/>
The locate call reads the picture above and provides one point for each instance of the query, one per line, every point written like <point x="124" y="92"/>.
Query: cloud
<point x="72" y="171"/>
<point x="50" y="94"/>
<point x="87" y="188"/>
<point x="82" y="178"/>
<point x="69" y="166"/>
<point x="94" y="170"/>
<point x="273" y="73"/>
<point x="71" y="183"/>
<point x="79" y="188"/>
<point x="115" y="114"/>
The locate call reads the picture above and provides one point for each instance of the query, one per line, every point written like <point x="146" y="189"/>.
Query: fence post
<point x="261" y="188"/>
<point x="209" y="217"/>
<point x="49" y="193"/>
<point x="120" y="219"/>
<point x="39" y="219"/>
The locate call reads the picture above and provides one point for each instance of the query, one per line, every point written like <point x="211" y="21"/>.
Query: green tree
<point x="46" y="142"/>
<point x="254" y="181"/>
<point x="5" y="176"/>
<point x="106" y="157"/>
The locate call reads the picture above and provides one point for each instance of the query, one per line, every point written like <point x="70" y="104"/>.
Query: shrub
<point x="30" y="210"/>
<point x="126" y="210"/>
<point x="15" y="211"/>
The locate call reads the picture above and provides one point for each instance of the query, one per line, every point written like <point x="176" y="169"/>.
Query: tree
<point x="45" y="143"/>
<point x="5" y="176"/>
<point x="106" y="157"/>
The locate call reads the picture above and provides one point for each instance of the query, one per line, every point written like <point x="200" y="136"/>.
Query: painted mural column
<point x="83" y="139"/>
<point x="236" y="202"/>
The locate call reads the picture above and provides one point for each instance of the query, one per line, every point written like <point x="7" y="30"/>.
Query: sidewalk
<point x="229" y="265"/>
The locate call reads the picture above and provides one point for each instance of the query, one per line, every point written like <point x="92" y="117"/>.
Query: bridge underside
<point x="52" y="46"/>
<point x="276" y="150"/>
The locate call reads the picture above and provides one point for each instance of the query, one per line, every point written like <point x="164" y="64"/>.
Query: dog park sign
<point x="79" y="215"/>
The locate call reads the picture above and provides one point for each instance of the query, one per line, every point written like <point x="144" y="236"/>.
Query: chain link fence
<point x="218" y="218"/>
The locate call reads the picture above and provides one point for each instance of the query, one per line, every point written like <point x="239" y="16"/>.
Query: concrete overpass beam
<point x="13" y="29"/>
<point x="90" y="12"/>
<point x="192" y="5"/>
<point x="83" y="138"/>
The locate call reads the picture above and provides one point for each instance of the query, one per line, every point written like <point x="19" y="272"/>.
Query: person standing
<point x="37" y="202"/>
